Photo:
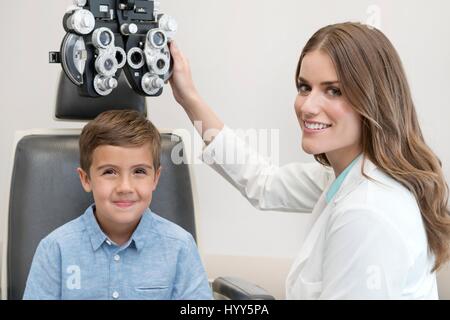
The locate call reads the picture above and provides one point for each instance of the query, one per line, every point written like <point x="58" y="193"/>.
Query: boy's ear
<point x="84" y="178"/>
<point x="156" y="178"/>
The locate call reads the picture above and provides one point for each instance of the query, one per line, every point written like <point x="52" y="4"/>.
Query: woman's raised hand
<point x="183" y="86"/>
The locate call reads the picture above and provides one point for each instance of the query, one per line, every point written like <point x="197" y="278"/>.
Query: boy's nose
<point x="124" y="185"/>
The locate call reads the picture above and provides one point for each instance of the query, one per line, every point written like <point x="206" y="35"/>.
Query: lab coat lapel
<point x="354" y="178"/>
<point x="324" y="210"/>
<point x="321" y="210"/>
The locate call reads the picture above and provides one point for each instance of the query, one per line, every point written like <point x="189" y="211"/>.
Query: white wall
<point x="243" y="55"/>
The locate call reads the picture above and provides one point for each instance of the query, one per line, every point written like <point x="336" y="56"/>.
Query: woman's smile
<point x="315" y="127"/>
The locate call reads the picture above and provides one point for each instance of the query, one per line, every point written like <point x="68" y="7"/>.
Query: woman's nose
<point x="309" y="104"/>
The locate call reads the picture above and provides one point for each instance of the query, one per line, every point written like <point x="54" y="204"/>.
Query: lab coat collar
<point x="355" y="177"/>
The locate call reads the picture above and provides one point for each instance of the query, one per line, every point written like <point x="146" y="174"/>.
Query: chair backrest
<point x="71" y="106"/>
<point x="46" y="193"/>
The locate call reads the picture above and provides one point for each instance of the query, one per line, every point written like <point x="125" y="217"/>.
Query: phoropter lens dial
<point x="102" y="38"/>
<point x="106" y="65"/>
<point x="135" y="58"/>
<point x="157" y="38"/>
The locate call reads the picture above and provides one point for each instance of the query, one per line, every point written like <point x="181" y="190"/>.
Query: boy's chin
<point x="126" y="218"/>
<point x="125" y="214"/>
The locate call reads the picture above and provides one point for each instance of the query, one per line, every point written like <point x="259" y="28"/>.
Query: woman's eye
<point x="335" y="92"/>
<point x="303" y="88"/>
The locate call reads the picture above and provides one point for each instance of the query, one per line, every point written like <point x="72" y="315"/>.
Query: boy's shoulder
<point x="66" y="232"/>
<point x="168" y="229"/>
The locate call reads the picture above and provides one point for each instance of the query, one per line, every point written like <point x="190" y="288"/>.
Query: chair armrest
<point x="237" y="289"/>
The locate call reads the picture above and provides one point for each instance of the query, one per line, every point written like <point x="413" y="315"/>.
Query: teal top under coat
<point x="336" y="185"/>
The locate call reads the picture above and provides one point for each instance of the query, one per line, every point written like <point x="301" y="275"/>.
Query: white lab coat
<point x="369" y="242"/>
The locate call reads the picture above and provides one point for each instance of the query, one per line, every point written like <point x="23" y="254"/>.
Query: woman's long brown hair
<point x="374" y="82"/>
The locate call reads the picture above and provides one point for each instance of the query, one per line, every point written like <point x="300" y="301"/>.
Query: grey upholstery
<point x="46" y="193"/>
<point x="71" y="106"/>
<point x="239" y="289"/>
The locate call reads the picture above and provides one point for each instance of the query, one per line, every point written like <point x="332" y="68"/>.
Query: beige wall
<point x="243" y="55"/>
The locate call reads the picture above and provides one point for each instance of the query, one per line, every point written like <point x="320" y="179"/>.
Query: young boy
<point x="118" y="249"/>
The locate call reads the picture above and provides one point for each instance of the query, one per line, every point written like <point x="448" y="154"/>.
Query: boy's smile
<point x="124" y="203"/>
<point x="122" y="180"/>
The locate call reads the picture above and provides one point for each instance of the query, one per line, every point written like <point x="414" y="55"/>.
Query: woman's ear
<point x="84" y="178"/>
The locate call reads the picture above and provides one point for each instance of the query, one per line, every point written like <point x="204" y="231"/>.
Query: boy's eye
<point x="140" y="171"/>
<point x="333" y="91"/>
<point x="303" y="88"/>
<point x="109" y="171"/>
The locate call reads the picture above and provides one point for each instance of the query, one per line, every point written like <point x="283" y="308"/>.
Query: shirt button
<point x="117" y="257"/>
<point x="115" y="295"/>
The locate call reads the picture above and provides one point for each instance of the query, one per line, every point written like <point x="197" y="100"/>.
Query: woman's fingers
<point x="174" y="50"/>
<point x="181" y="81"/>
<point x="177" y="55"/>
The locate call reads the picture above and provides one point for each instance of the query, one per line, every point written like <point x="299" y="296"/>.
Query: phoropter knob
<point x="167" y="23"/>
<point x="151" y="84"/>
<point x="127" y="29"/>
<point x="104" y="85"/>
<point x="79" y="3"/>
<point x="107" y="83"/>
<point x="81" y="21"/>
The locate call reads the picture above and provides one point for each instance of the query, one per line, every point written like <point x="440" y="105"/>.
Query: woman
<point x="378" y="191"/>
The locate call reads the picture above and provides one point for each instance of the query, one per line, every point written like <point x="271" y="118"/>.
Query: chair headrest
<point x="71" y="106"/>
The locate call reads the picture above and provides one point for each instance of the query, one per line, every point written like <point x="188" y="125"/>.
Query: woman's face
<point x="328" y="122"/>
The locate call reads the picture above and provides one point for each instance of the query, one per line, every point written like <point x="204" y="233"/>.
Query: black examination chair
<point x="46" y="192"/>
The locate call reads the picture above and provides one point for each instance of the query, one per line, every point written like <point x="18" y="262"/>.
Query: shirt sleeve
<point x="365" y="257"/>
<point x="191" y="281"/>
<point x="44" y="278"/>
<point x="294" y="188"/>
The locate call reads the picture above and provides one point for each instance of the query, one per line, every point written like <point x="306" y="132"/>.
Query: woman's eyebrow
<point x="325" y="83"/>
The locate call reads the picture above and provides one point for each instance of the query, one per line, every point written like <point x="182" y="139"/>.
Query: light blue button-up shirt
<point x="78" y="261"/>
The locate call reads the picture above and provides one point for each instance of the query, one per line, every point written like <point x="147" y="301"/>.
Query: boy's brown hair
<point x="124" y="128"/>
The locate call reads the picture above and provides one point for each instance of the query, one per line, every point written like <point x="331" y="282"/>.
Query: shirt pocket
<point x="152" y="292"/>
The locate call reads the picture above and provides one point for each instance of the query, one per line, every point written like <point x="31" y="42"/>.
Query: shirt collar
<point x="98" y="237"/>
<point x="140" y="235"/>
<point x="95" y="233"/>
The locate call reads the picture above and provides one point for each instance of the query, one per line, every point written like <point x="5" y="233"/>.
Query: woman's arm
<point x="295" y="187"/>
<point x="187" y="96"/>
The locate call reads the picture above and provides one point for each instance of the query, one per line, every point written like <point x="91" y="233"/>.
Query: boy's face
<point x="122" y="180"/>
